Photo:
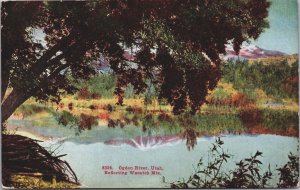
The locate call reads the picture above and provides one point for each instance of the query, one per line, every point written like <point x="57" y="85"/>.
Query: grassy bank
<point x="29" y="182"/>
<point x="214" y="118"/>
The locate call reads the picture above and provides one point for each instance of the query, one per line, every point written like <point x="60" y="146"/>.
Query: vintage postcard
<point x="149" y="94"/>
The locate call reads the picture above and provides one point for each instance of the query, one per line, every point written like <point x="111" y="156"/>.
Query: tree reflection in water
<point x="191" y="138"/>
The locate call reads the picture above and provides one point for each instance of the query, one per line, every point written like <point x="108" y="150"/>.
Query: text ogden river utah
<point x="133" y="170"/>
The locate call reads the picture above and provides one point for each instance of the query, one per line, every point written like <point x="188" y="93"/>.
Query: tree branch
<point x="42" y="63"/>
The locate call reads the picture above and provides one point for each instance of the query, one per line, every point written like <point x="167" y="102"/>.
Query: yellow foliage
<point x="28" y="182"/>
<point x="227" y="87"/>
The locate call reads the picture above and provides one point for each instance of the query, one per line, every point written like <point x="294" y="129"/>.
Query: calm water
<point x="102" y="146"/>
<point x="174" y="158"/>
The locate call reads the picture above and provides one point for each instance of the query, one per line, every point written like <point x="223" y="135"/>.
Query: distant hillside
<point x="267" y="60"/>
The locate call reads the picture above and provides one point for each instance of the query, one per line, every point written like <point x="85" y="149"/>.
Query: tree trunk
<point x="4" y="83"/>
<point x="4" y="78"/>
<point x="12" y="102"/>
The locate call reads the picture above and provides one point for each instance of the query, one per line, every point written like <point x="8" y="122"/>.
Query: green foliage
<point x="217" y="123"/>
<point x="289" y="173"/>
<point x="280" y="119"/>
<point x="271" y="78"/>
<point x="81" y="32"/>
<point x="247" y="174"/>
<point x="80" y="123"/>
<point x="87" y="121"/>
<point x="207" y="124"/>
<point x="276" y="120"/>
<point x="100" y="85"/>
<point x="103" y="86"/>
<point x="65" y="118"/>
<point x="129" y="91"/>
<point x="31" y="109"/>
<point x="220" y="93"/>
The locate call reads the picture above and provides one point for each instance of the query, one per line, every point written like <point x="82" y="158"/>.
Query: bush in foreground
<point x="247" y="174"/>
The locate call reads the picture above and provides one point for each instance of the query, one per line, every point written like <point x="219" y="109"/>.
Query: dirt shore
<point x="23" y="131"/>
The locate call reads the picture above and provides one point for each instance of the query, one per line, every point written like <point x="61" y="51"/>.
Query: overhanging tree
<point x="177" y="45"/>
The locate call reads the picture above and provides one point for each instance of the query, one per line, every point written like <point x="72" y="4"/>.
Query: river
<point x="119" y="151"/>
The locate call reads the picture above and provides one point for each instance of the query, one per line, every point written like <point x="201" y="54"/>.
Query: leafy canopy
<point x="176" y="44"/>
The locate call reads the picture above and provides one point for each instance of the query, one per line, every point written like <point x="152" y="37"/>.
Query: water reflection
<point x="191" y="138"/>
<point x="130" y="134"/>
<point x="146" y="142"/>
<point x="132" y="146"/>
<point x="173" y="157"/>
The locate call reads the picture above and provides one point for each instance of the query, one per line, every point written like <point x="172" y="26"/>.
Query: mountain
<point x="250" y="52"/>
<point x="102" y="65"/>
<point x="144" y="143"/>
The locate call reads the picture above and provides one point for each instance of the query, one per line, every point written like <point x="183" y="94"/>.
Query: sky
<point x="282" y="35"/>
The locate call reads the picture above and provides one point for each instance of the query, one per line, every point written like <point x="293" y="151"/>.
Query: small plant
<point x="289" y="173"/>
<point x="208" y="176"/>
<point x="87" y="121"/>
<point x="247" y="174"/>
<point x="240" y="99"/>
<point x="84" y="93"/>
<point x="164" y="117"/>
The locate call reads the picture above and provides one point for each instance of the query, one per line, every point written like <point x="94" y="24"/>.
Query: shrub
<point x="245" y="77"/>
<point x="164" y="117"/>
<point x="95" y="96"/>
<point x="247" y="174"/>
<point x="93" y="107"/>
<point x="289" y="173"/>
<point x="250" y="116"/>
<point x="240" y="99"/>
<point x="84" y="93"/>
<point x="87" y="121"/>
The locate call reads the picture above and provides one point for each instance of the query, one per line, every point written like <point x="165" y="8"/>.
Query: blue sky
<point x="282" y="35"/>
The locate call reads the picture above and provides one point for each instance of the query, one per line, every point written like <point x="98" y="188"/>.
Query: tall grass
<point x="31" y="109"/>
<point x="216" y="124"/>
<point x="280" y="119"/>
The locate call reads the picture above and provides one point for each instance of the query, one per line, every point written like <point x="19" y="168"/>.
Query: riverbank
<point x="26" y="164"/>
<point x="27" y="132"/>
<point x="100" y="119"/>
